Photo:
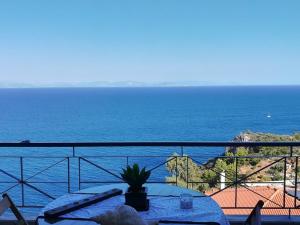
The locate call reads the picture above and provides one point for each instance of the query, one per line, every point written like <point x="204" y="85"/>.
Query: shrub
<point x="135" y="177"/>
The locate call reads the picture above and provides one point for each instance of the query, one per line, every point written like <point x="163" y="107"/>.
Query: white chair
<point x="7" y="203"/>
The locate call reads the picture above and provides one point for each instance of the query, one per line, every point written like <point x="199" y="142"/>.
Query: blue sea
<point x="146" y="114"/>
<point x="133" y="114"/>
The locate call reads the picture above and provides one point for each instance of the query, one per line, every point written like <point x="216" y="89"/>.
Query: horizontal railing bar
<point x="278" y="208"/>
<point x="9" y="182"/>
<point x="245" y="182"/>
<point x="145" y="156"/>
<point x="128" y="156"/>
<point x="274" y="208"/>
<point x="35" y="157"/>
<point x="252" y="156"/>
<point x="174" y="156"/>
<point x="190" y="182"/>
<point x="240" y="207"/>
<point x="47" y="182"/>
<point x="152" y="144"/>
<point x="35" y="182"/>
<point x="30" y="206"/>
<point x="120" y="182"/>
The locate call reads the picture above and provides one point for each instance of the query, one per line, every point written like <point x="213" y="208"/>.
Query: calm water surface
<point x="146" y="114"/>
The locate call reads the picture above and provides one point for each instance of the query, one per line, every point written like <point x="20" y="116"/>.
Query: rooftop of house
<point x="272" y="197"/>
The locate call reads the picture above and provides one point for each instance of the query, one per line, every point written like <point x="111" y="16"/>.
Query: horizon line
<point x="153" y="86"/>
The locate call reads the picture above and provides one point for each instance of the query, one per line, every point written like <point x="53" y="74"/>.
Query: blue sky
<point x="214" y="42"/>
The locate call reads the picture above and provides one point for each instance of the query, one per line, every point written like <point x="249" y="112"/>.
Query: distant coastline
<point x="133" y="84"/>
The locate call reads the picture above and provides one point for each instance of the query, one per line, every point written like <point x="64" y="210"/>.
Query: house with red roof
<point x="240" y="201"/>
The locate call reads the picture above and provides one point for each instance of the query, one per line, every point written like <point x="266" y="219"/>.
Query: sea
<point x="128" y="114"/>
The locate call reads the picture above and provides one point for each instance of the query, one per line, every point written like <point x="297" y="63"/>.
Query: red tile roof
<point x="271" y="196"/>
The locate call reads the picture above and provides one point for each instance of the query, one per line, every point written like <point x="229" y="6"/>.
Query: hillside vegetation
<point x="206" y="176"/>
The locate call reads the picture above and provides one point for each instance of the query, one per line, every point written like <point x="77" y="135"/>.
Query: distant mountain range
<point x="108" y="84"/>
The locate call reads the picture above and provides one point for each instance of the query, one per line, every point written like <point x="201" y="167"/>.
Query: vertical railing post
<point x="73" y="151"/>
<point x="187" y="172"/>
<point x="284" y="180"/>
<point x="176" y="171"/>
<point x="291" y="151"/>
<point x="236" y="179"/>
<point x="296" y="183"/>
<point x="22" y="180"/>
<point x="69" y="180"/>
<point x="79" y="173"/>
<point x="181" y="151"/>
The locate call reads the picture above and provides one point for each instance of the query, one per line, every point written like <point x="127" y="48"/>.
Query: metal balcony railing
<point x="36" y="173"/>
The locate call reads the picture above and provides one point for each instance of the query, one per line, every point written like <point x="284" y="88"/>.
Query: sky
<point x="242" y="42"/>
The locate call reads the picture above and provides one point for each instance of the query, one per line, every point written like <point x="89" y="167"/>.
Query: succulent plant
<point x="135" y="177"/>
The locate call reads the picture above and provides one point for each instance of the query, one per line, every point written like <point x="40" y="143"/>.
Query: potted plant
<point x="136" y="195"/>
